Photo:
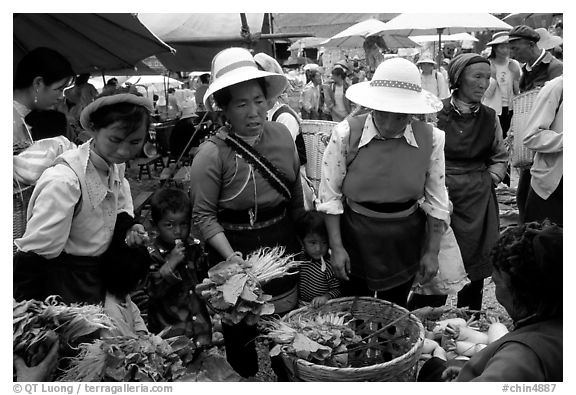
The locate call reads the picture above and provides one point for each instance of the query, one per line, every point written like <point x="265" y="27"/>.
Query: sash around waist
<point x="462" y="167"/>
<point x="383" y="210"/>
<point x="244" y="216"/>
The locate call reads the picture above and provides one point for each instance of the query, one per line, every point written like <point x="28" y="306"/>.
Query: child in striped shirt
<point x="317" y="282"/>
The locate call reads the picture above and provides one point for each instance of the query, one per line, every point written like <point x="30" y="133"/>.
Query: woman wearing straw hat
<point x="382" y="187"/>
<point x="432" y="80"/>
<point x="247" y="186"/>
<point x="476" y="162"/>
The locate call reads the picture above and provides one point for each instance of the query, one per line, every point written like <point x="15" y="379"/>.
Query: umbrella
<point x="297" y="61"/>
<point x="534" y="19"/>
<point x="154" y="83"/>
<point x="353" y="37"/>
<point x="446" y="23"/>
<point x="448" y="37"/>
<point x="91" y="42"/>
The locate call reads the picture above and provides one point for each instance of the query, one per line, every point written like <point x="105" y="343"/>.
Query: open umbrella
<point x="353" y="37"/>
<point x="439" y="24"/>
<point x="307" y="42"/>
<point x="533" y="19"/>
<point x="91" y="42"/>
<point x="449" y="37"/>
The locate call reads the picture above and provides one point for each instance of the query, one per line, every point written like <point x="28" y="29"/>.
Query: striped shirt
<point x="314" y="282"/>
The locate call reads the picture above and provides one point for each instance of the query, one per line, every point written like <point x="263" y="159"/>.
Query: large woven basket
<point x="520" y="156"/>
<point x="393" y="355"/>
<point x="20" y="199"/>
<point x="316" y="135"/>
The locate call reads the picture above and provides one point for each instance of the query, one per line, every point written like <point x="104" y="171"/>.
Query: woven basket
<point x="521" y="156"/>
<point x="394" y="359"/>
<point x="20" y="200"/>
<point x="316" y="135"/>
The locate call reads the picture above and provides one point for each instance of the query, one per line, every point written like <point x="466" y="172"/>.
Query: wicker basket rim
<point x="377" y="366"/>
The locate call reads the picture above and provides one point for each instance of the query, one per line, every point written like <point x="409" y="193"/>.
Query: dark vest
<point x="387" y="171"/>
<point x="469" y="137"/>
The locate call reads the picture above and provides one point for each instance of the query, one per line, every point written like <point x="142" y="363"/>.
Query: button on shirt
<point x="435" y="200"/>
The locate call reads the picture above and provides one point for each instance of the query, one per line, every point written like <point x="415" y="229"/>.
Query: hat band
<point x="396" y="84"/>
<point x="234" y="66"/>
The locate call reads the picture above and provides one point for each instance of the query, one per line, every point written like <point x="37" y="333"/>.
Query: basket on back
<point x="521" y="156"/>
<point x="390" y="355"/>
<point x="316" y="135"/>
<point x="20" y="199"/>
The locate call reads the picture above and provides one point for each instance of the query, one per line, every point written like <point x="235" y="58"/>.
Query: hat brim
<point x="275" y="83"/>
<point x="427" y="61"/>
<point x="109" y="100"/>
<point x="550" y="43"/>
<point x="498" y="41"/>
<point x="395" y="100"/>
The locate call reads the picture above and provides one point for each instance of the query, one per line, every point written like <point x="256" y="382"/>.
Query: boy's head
<point x="171" y="211"/>
<point x="313" y="235"/>
<point x="123" y="268"/>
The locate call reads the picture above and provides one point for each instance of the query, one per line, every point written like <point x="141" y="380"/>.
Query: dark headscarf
<point x="459" y="63"/>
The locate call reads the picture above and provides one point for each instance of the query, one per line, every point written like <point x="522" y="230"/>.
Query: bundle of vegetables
<point x="37" y="325"/>
<point x="321" y="339"/>
<point x="123" y="358"/>
<point x="456" y="338"/>
<point x="235" y="292"/>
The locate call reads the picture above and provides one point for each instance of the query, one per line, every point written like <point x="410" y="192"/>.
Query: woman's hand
<point x="428" y="267"/>
<point x="340" y="262"/>
<point x="495" y="179"/>
<point x="319" y="301"/>
<point x="136" y="236"/>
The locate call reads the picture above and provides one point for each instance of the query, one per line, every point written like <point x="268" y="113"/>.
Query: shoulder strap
<point x="271" y="173"/>
<point x="356" y="126"/>
<point x="284" y="108"/>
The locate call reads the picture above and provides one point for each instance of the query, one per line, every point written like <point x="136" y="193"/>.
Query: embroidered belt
<point x="241" y="219"/>
<point x="385" y="210"/>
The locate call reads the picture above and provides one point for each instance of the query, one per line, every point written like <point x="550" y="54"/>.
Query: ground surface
<point x="508" y="216"/>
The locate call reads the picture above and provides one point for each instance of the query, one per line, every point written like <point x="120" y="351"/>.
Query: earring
<point x="36" y="98"/>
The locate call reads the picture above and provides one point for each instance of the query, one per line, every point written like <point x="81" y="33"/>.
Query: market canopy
<point x="91" y="42"/>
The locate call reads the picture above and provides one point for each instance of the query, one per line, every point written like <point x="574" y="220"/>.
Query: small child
<point x="123" y="269"/>
<point x="173" y="303"/>
<point x="317" y="282"/>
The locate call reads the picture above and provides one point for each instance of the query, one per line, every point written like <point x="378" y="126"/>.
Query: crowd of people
<point x="392" y="184"/>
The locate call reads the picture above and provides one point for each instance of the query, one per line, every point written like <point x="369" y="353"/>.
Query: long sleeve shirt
<point x="315" y="280"/>
<point x="435" y="198"/>
<point x="55" y="224"/>
<point x="545" y="136"/>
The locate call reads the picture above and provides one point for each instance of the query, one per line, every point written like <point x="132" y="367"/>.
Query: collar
<point x="21" y="109"/>
<point x="463" y="108"/>
<point x="540" y="58"/>
<point x="370" y="132"/>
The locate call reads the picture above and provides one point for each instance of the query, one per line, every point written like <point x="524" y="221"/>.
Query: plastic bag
<point x="451" y="276"/>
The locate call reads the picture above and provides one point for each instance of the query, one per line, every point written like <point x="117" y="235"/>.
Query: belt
<point x="242" y="219"/>
<point x="370" y="209"/>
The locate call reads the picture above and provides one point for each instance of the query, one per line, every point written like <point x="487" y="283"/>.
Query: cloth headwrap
<point x="459" y="63"/>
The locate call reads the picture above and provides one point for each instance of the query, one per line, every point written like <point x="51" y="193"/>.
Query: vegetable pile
<point x="323" y="339"/>
<point x="37" y="325"/>
<point x="235" y="292"/>
<point x="123" y="358"/>
<point x="457" y="338"/>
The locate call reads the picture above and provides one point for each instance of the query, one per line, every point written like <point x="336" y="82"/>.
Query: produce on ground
<point x="322" y="339"/>
<point x="235" y="292"/>
<point x="38" y="324"/>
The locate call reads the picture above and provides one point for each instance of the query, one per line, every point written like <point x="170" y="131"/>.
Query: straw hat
<point x="498" y="38"/>
<point x="426" y="59"/>
<point x="395" y="87"/>
<point x="232" y="66"/>
<point x="188" y="110"/>
<point x="547" y="40"/>
<point x="109" y="100"/>
<point x="268" y="63"/>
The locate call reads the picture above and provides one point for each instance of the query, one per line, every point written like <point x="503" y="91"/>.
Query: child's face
<point x="114" y="146"/>
<point x="174" y="225"/>
<point x="315" y="245"/>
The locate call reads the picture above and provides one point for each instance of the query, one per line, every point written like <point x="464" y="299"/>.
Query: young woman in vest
<point x="81" y="204"/>
<point x="247" y="189"/>
<point x="476" y="162"/>
<point x="382" y="187"/>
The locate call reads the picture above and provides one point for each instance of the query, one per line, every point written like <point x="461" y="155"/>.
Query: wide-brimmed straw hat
<point x="498" y="38"/>
<point x="109" y="100"/>
<point x="232" y="66"/>
<point x="425" y="59"/>
<point x="188" y="110"/>
<point x="547" y="40"/>
<point x="395" y="87"/>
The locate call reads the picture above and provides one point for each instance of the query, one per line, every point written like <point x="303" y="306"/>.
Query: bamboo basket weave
<point x="521" y="156"/>
<point x="394" y="359"/>
<point x="316" y="135"/>
<point x="20" y="200"/>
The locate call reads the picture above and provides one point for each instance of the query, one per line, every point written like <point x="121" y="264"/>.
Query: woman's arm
<point x="339" y="256"/>
<point x="498" y="160"/>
